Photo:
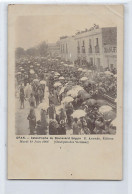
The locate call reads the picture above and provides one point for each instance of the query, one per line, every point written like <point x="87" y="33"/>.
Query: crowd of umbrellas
<point x="65" y="98"/>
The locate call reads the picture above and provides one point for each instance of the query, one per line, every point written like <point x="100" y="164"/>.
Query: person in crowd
<point x="53" y="127"/>
<point x="51" y="111"/>
<point x="90" y="123"/>
<point x="62" y="115"/>
<point x="56" y="99"/>
<point x="99" y="125"/>
<point x="36" y="95"/>
<point x="44" y="122"/>
<point x="62" y="128"/>
<point x="69" y="111"/>
<point x="32" y="100"/>
<point x="22" y="98"/>
<point x="32" y="121"/>
<point x="76" y="127"/>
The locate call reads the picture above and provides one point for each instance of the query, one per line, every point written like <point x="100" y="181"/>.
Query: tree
<point x="42" y="48"/>
<point x="19" y="52"/>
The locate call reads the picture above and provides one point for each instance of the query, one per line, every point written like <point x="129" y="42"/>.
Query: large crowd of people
<point x="65" y="98"/>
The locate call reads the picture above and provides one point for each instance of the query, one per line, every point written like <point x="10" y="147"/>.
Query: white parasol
<point x="61" y="78"/>
<point x="42" y="82"/>
<point x="80" y="69"/>
<point x="90" y="71"/>
<point x="57" y="74"/>
<point x="116" y="100"/>
<point x="58" y="108"/>
<point x="32" y="71"/>
<point x="62" y="90"/>
<point x="83" y="79"/>
<point x="114" y="122"/>
<point x="67" y="99"/>
<point x="18" y="73"/>
<point x="108" y="73"/>
<point x="57" y="84"/>
<point x="43" y="106"/>
<point x="74" y="91"/>
<point x="78" y="114"/>
<point x="36" y="80"/>
<point x="105" y="109"/>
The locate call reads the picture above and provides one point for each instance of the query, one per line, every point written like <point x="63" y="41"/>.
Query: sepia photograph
<point x="66" y="79"/>
<point x="65" y="92"/>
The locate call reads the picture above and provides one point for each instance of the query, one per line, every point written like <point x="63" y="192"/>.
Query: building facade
<point x="68" y="48"/>
<point x="97" y="47"/>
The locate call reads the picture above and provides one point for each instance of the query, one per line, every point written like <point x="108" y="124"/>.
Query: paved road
<point x="22" y="124"/>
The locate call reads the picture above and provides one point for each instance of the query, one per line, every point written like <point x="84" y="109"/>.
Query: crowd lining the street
<point x="74" y="104"/>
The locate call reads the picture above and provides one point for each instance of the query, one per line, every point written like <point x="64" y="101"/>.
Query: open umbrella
<point x="114" y="122"/>
<point x="62" y="90"/>
<point x="58" y="108"/>
<point x="80" y="69"/>
<point x="101" y="102"/>
<point x="105" y="109"/>
<point x="111" y="115"/>
<point x="78" y="113"/>
<point x="90" y="71"/>
<point x="57" y="74"/>
<point x="18" y="73"/>
<point x="36" y="80"/>
<point x="74" y="91"/>
<point x="67" y="99"/>
<point x="90" y="102"/>
<point x="108" y="73"/>
<point x="57" y="84"/>
<point x="43" y="106"/>
<point x="32" y="71"/>
<point x="83" y="79"/>
<point x="61" y="78"/>
<point x="85" y="96"/>
<point x="115" y="100"/>
<point x="42" y="82"/>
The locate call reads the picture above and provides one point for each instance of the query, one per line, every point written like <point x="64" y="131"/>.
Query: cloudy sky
<point x="31" y="30"/>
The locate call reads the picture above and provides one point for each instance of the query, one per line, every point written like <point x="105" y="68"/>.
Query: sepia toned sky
<point x="31" y="30"/>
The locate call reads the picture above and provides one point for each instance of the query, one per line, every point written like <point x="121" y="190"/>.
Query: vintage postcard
<point x="65" y="92"/>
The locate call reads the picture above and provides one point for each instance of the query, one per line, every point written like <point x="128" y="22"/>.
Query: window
<point x="90" y="46"/>
<point x="97" y="46"/>
<point x="78" y="47"/>
<point x="66" y="48"/>
<point x="97" y="42"/>
<point x="83" y="47"/>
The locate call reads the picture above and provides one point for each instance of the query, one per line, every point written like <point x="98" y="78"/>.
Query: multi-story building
<point x="98" y="47"/>
<point x="68" y="48"/>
